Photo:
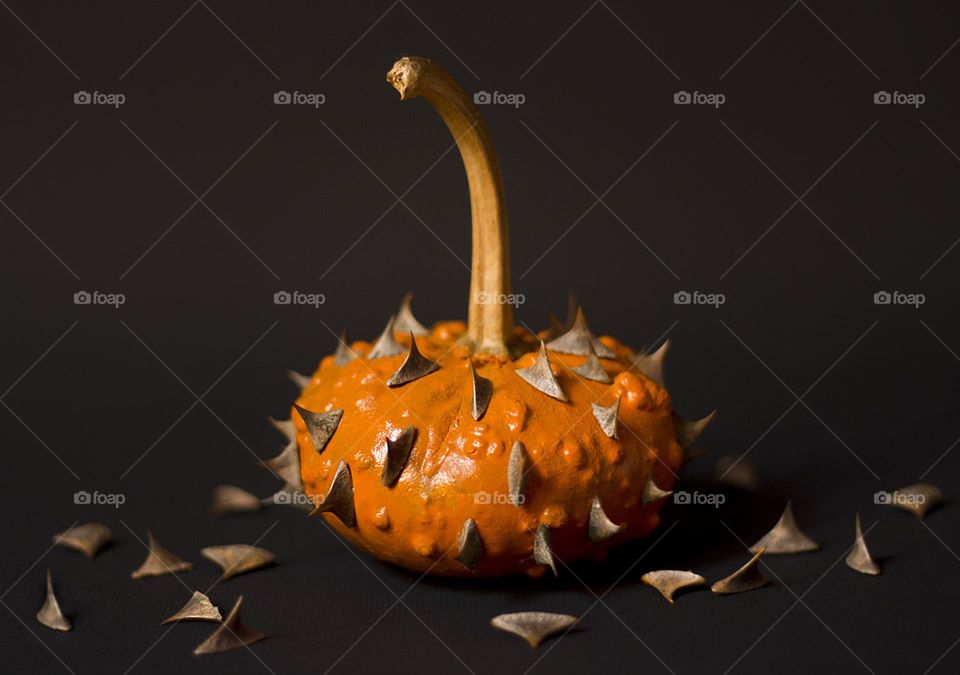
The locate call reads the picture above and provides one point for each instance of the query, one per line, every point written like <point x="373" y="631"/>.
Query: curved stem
<point x="490" y="316"/>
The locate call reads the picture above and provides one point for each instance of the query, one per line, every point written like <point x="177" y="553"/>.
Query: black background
<point x="879" y="384"/>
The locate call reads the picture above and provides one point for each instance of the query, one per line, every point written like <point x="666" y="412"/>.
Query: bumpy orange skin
<point x="458" y="466"/>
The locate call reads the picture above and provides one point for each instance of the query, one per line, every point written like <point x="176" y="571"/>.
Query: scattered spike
<point x="398" y="453"/>
<point x="482" y="392"/>
<point x="286" y="465"/>
<point x="688" y="432"/>
<point x="343" y="354"/>
<point x="592" y="369"/>
<point x="607" y="417"/>
<point x="87" y="538"/>
<point x="651" y="364"/>
<point x="470" y="546"/>
<point x="405" y="322"/>
<point x="737" y="472"/>
<point x="534" y="627"/>
<point x="668" y="582"/>
<point x="198" y="608"/>
<point x="859" y="557"/>
<point x="50" y="614"/>
<point x="298" y="379"/>
<point x="286" y="427"/>
<point x="160" y="561"/>
<point x="413" y="367"/>
<point x="917" y="499"/>
<point x="785" y="537"/>
<point x="228" y="499"/>
<point x="339" y="497"/>
<point x="238" y="558"/>
<point x="320" y="426"/>
<point x="541" y="377"/>
<point x="579" y="340"/>
<point x="517" y="474"/>
<point x="386" y="344"/>
<point x="231" y="634"/>
<point x="542" y="552"/>
<point x="600" y="527"/>
<point x="651" y="492"/>
<point x="747" y="578"/>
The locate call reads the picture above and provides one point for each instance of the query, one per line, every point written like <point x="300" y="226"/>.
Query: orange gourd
<point x="476" y="449"/>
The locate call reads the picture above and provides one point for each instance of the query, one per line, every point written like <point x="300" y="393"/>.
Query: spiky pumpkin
<point x="476" y="449"/>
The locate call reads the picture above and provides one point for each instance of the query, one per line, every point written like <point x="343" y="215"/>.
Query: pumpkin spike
<point x="405" y="321"/>
<point x="542" y="553"/>
<point x="592" y="369"/>
<point x="287" y="428"/>
<point x="398" y="454"/>
<point x="87" y="538"/>
<point x="668" y="582"/>
<point x="50" y="614"/>
<point x="786" y="536"/>
<point x="229" y="499"/>
<point x="320" y="426"/>
<point x="600" y="527"/>
<point x="482" y="392"/>
<point x="298" y="379"/>
<point x="160" y="561"/>
<point x="236" y="559"/>
<point x="688" y="432"/>
<point x="517" y="473"/>
<point x="651" y="492"/>
<point x="651" y="364"/>
<point x="859" y="557"/>
<point x="339" y="497"/>
<point x="386" y="344"/>
<point x="534" y="627"/>
<point x="747" y="578"/>
<point x="917" y="499"/>
<point x="413" y="367"/>
<point x="286" y="465"/>
<point x="737" y="472"/>
<point x="607" y="417"/>
<point x="580" y="341"/>
<point x="470" y="546"/>
<point x="197" y="608"/>
<point x="231" y="634"/>
<point x="555" y="329"/>
<point x="343" y="355"/>
<point x="572" y="307"/>
<point x="541" y="376"/>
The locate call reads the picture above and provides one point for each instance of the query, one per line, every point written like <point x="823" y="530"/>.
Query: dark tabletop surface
<point x="197" y="198"/>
